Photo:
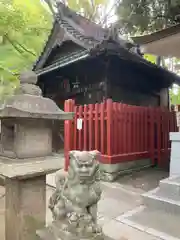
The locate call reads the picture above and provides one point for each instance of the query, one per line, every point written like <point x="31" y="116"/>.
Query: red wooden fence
<point x="120" y="132"/>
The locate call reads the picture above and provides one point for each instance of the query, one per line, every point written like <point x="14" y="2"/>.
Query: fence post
<point x="151" y="134"/>
<point x="109" y="108"/>
<point x="68" y="137"/>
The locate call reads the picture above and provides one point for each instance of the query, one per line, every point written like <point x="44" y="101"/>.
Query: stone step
<point x="155" y="201"/>
<point x="169" y="188"/>
<point x="155" y="222"/>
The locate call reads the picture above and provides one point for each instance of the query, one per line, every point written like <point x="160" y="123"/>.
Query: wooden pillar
<point x="109" y="106"/>
<point x="106" y="80"/>
<point x="164" y="98"/>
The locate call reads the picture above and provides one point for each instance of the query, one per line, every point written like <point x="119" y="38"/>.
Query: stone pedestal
<point x="54" y="232"/>
<point x="175" y="154"/>
<point x="25" y="207"/>
<point x="25" y="201"/>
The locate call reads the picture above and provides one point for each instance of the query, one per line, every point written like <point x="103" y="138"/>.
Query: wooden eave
<point x="112" y="48"/>
<point x="166" y="32"/>
<point x="163" y="43"/>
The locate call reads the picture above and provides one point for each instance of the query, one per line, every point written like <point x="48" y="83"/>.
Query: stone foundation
<point x="109" y="172"/>
<point x="175" y="156"/>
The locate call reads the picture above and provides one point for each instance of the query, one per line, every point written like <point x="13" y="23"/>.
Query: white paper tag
<point x="79" y="123"/>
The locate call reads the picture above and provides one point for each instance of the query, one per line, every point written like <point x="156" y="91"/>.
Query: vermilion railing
<point x="120" y="132"/>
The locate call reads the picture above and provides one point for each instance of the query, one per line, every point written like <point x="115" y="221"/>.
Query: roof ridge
<point x="89" y="41"/>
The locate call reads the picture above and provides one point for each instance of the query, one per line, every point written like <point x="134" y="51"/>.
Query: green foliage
<point x="24" y="28"/>
<point x="150" y="58"/>
<point x="145" y="16"/>
<point x="174" y="95"/>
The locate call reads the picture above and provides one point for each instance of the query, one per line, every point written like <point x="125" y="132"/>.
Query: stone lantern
<point x="26" y="156"/>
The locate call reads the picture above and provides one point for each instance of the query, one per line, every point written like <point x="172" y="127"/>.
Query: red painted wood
<point x="138" y="130"/>
<point x="142" y="128"/>
<point x="135" y="126"/>
<point x="160" y="135"/>
<point x="151" y="134"/>
<point x="125" y="128"/>
<point x="129" y="129"/>
<point x="75" y="129"/>
<point x="133" y="130"/>
<point x="85" y="128"/>
<point x="121" y="129"/>
<point x="96" y="128"/>
<point x="145" y="129"/>
<point x="166" y="140"/>
<point x="127" y="157"/>
<point x="102" y="127"/>
<point x="110" y="115"/>
<point x="90" y="127"/>
<point x="80" y="132"/>
<point x="69" y="107"/>
<point x="116" y="139"/>
<point x="120" y="132"/>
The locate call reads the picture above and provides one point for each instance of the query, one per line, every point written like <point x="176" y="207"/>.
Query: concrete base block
<point x="156" y="223"/>
<point x="169" y="189"/>
<point x="109" y="172"/>
<point x="175" y="156"/>
<point x="166" y="197"/>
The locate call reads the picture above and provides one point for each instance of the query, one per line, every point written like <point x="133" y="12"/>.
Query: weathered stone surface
<point x="161" y="211"/>
<point x="31" y="106"/>
<point x="74" y="203"/>
<point x="110" y="172"/>
<point x="25" y="208"/>
<point x="28" y="102"/>
<point x="55" y="232"/>
<point x="27" y="121"/>
<point x="28" y="77"/>
<point x="35" y="133"/>
<point x="28" y="168"/>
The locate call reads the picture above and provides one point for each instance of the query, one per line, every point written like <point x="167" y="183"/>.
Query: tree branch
<point x="17" y="49"/>
<point x="12" y="43"/>
<point x="25" y="49"/>
<point x="8" y="70"/>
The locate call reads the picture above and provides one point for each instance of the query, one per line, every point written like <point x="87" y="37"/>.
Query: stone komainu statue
<point x="75" y="200"/>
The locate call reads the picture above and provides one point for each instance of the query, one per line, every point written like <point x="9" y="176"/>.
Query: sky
<point x="108" y="9"/>
<point x="112" y="15"/>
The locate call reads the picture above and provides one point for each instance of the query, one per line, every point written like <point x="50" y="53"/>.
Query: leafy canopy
<point x="24" y="27"/>
<point x="145" y="16"/>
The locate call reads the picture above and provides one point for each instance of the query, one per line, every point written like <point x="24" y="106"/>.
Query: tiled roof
<point x="77" y="28"/>
<point x="92" y="38"/>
